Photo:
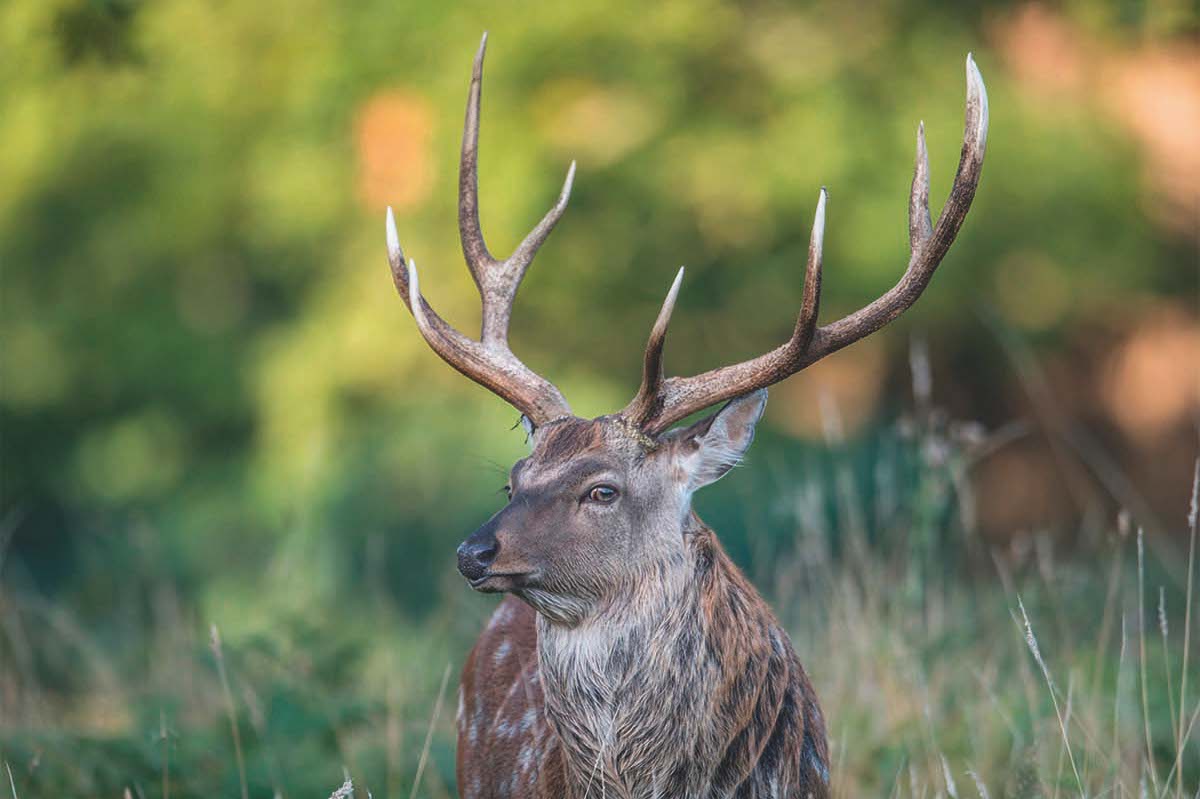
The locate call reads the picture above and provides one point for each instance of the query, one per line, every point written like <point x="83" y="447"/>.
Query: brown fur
<point x="705" y="696"/>
<point x="505" y="745"/>
<point x="569" y="438"/>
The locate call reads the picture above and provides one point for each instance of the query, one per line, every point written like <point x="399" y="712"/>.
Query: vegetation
<point x="232" y="476"/>
<point x="1036" y="675"/>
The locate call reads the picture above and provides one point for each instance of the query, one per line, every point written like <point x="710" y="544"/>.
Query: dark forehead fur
<point x="569" y="438"/>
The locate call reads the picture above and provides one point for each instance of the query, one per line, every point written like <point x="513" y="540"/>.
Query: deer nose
<point x="477" y="553"/>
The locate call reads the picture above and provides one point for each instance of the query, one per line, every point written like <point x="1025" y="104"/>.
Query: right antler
<point x="662" y="401"/>
<point x="488" y="361"/>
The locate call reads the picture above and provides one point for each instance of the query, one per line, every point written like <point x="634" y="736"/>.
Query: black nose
<point x="477" y="553"/>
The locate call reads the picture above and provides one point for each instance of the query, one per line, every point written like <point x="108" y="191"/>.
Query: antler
<point x="662" y="401"/>
<point x="488" y="361"/>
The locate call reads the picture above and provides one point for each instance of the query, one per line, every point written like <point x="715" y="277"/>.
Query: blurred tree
<point x="200" y="335"/>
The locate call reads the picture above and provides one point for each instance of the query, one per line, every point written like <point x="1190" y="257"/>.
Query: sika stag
<point x="631" y="657"/>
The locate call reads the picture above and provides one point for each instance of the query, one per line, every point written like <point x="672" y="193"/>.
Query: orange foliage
<point x="393" y="131"/>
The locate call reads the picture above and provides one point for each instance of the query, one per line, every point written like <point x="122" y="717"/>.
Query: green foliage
<point x="214" y="409"/>
<point x="199" y="331"/>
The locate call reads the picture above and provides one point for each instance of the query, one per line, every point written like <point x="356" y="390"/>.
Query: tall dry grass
<point x="1029" y="672"/>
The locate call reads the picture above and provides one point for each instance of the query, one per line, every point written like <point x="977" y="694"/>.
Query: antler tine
<point x="497" y="280"/>
<point x="494" y="368"/>
<point x="470" y="233"/>
<point x="928" y="250"/>
<point x="661" y="402"/>
<point x="488" y="361"/>
<point x="920" y="228"/>
<point x="806" y="324"/>
<point x="652" y="365"/>
<point x="677" y="397"/>
<point x="523" y="255"/>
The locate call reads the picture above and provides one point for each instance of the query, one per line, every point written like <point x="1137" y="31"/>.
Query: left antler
<point x="488" y="361"/>
<point x="662" y="401"/>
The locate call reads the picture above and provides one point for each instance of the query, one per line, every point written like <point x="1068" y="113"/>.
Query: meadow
<point x="947" y="666"/>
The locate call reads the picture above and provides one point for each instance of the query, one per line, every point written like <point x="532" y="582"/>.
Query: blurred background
<point x="214" y="410"/>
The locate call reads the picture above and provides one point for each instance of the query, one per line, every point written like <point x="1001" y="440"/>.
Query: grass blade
<point x="230" y="709"/>
<point x="1180" y="737"/>
<point x="1141" y="572"/>
<point x="1031" y="641"/>
<point x="437" y="710"/>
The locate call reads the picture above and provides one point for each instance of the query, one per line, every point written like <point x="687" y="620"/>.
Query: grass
<point x="970" y="691"/>
<point x="947" y="667"/>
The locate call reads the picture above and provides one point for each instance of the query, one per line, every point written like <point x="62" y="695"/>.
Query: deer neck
<point x="646" y="692"/>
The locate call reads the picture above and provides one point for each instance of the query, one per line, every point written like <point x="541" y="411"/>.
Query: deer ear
<point x="708" y="449"/>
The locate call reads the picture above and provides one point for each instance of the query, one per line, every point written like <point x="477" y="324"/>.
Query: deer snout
<point x="478" y="553"/>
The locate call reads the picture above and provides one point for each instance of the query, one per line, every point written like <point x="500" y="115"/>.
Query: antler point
<point x="974" y="77"/>
<point x="674" y="292"/>
<point x="977" y="94"/>
<point x="477" y="71"/>
<point x="817" y="239"/>
<point x="414" y="296"/>
<point x="568" y="184"/>
<point x="393" y="238"/>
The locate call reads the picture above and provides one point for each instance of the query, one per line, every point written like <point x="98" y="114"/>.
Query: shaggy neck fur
<point x="683" y="686"/>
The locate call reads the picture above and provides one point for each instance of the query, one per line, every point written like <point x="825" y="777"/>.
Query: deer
<point x="630" y="657"/>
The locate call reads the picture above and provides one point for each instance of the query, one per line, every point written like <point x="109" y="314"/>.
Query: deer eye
<point x="602" y="494"/>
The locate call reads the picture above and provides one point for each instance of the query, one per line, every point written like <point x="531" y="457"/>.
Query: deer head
<point x="600" y="502"/>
